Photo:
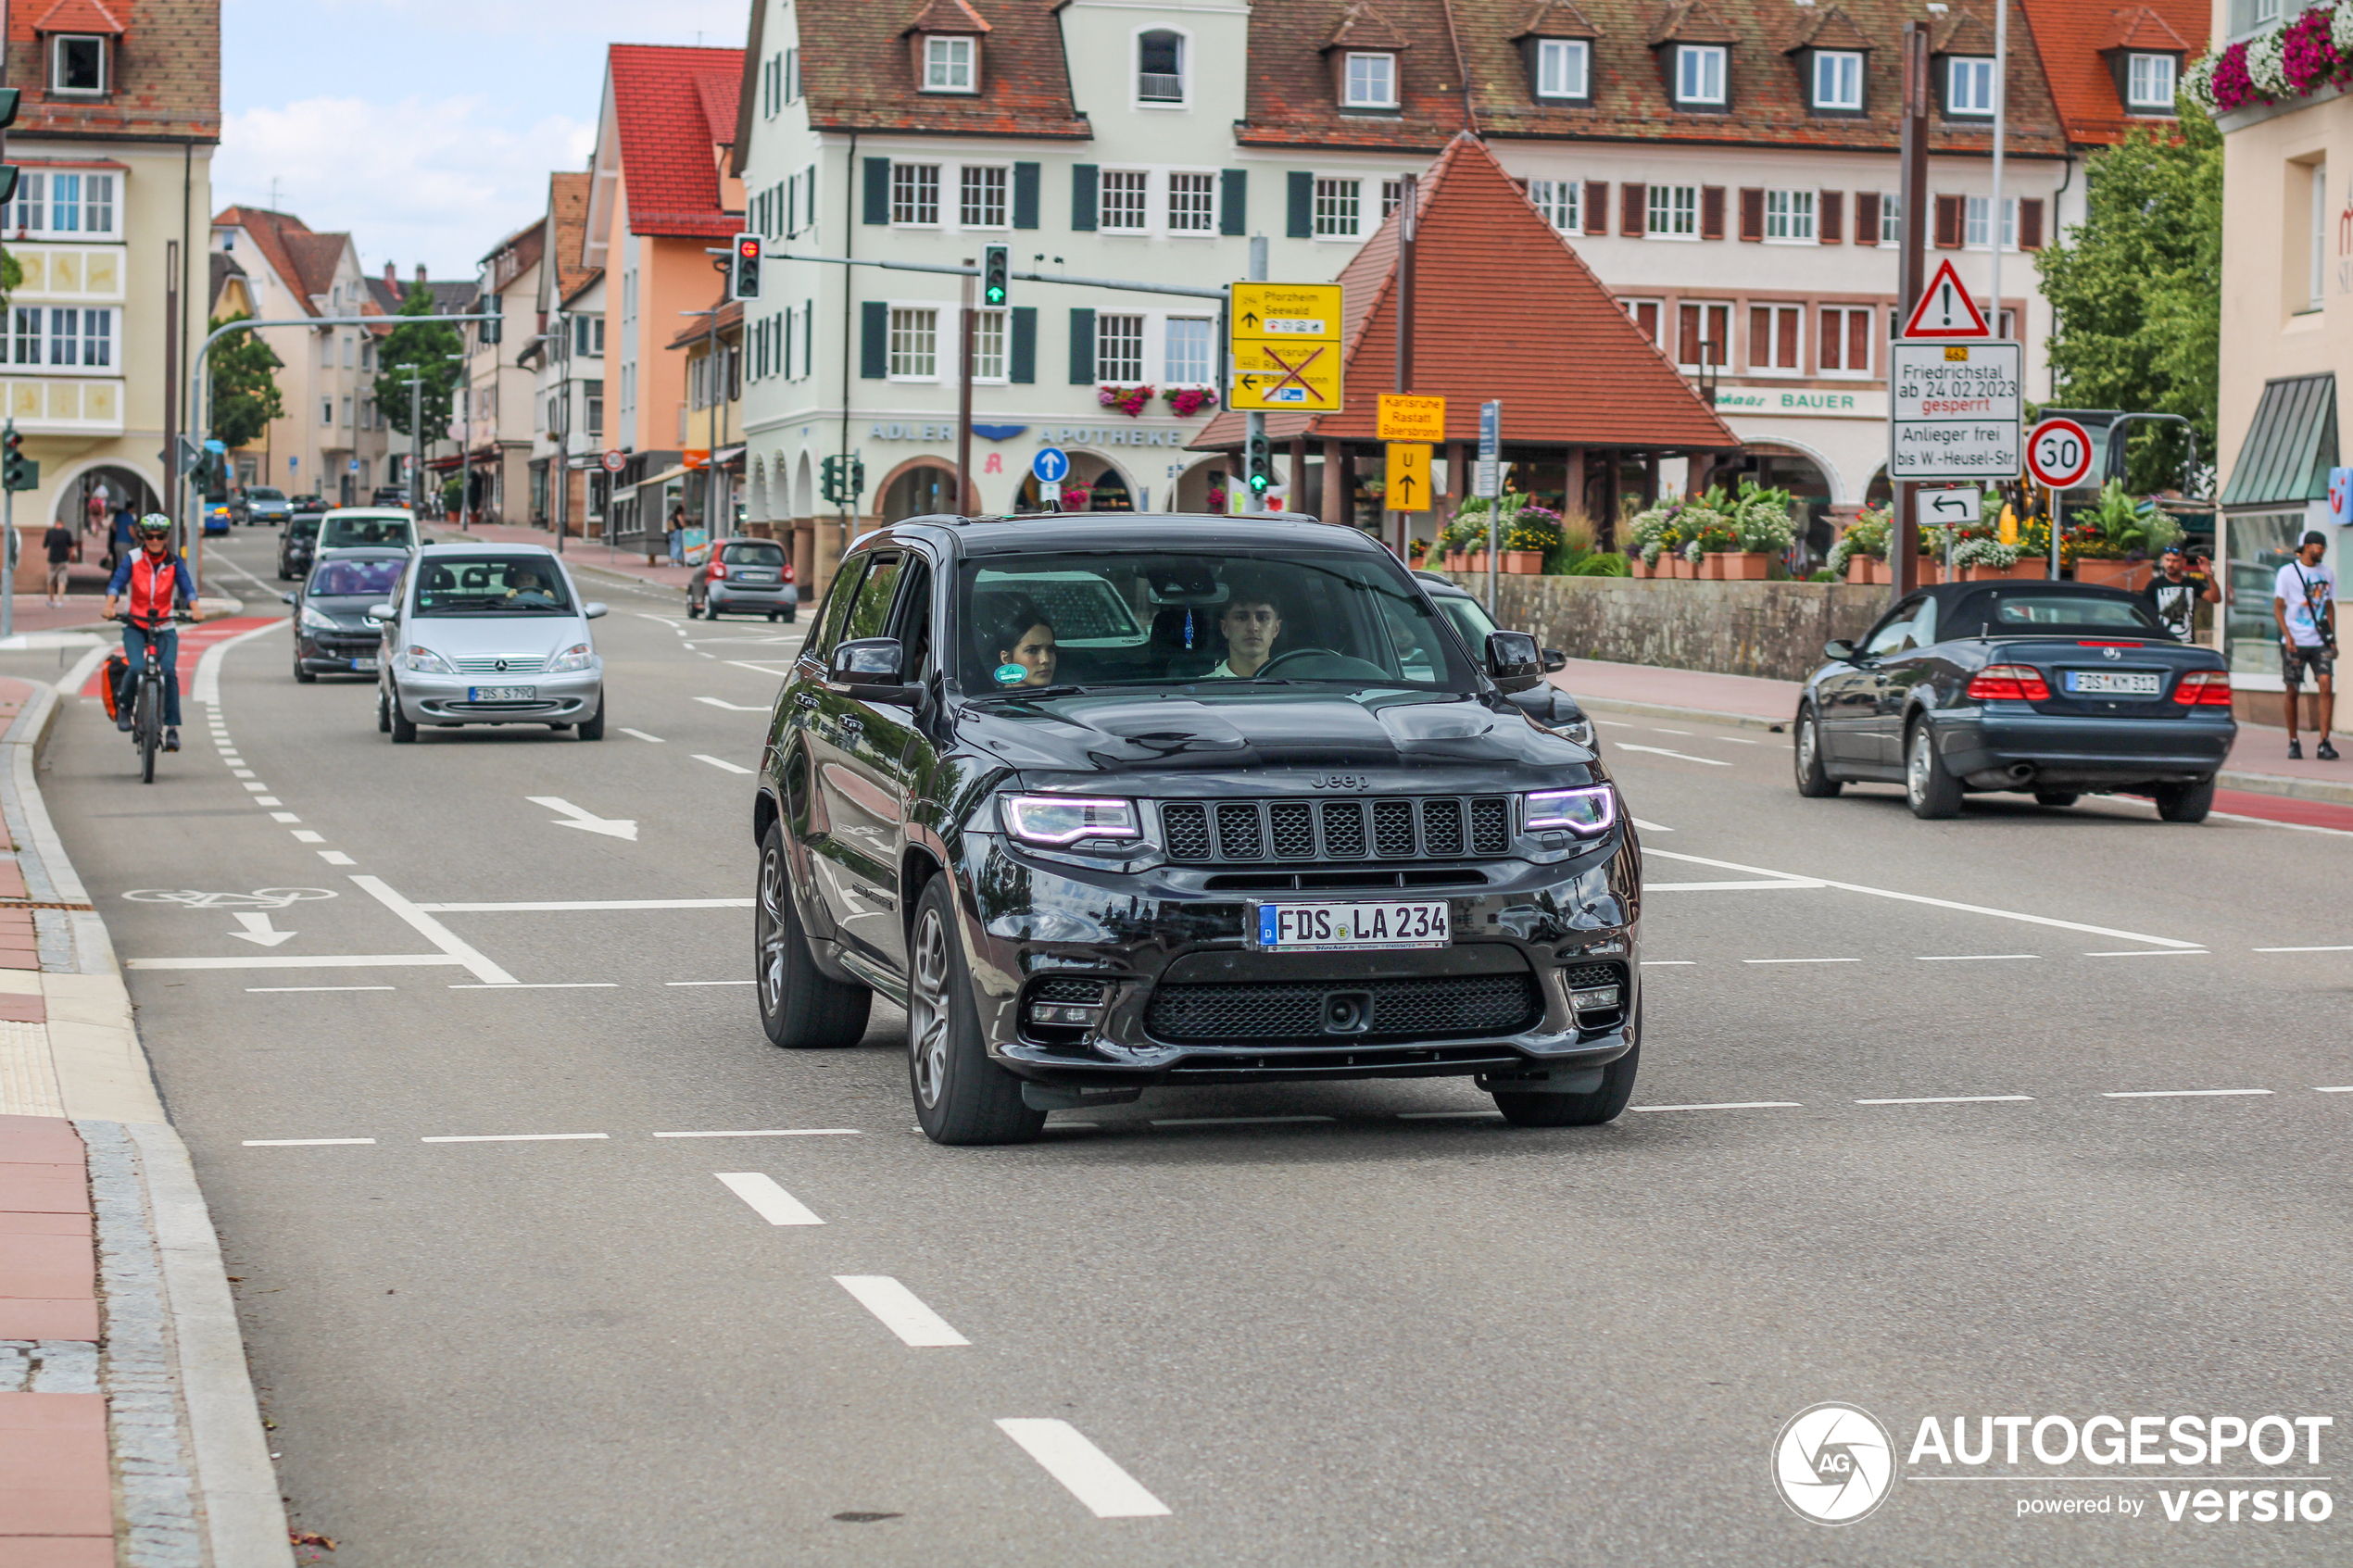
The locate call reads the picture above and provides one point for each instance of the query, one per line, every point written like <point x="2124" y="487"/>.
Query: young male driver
<point x="1250" y="624"/>
<point x="2303" y="603"/>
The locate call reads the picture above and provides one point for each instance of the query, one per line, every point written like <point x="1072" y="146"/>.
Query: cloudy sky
<point x="427" y="128"/>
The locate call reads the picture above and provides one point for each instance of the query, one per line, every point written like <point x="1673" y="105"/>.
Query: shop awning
<point x="2290" y="446"/>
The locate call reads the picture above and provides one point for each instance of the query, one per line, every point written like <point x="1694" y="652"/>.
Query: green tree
<point x="244" y="390"/>
<point x="420" y="347"/>
<point x="2138" y="291"/>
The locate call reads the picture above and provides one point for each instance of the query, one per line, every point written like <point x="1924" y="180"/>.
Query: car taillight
<point x="788" y="571"/>
<point x="718" y="570"/>
<point x="2008" y="682"/>
<point x="2206" y="688"/>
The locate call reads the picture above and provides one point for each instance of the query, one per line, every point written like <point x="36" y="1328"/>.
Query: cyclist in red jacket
<point x="156" y="580"/>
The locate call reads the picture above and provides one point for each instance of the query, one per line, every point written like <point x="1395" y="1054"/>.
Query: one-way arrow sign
<point x="611" y="827"/>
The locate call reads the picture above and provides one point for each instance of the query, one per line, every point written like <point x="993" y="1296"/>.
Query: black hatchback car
<point x="2051" y="688"/>
<point x="331" y="632"/>
<point x="298" y="544"/>
<point x="1116" y="802"/>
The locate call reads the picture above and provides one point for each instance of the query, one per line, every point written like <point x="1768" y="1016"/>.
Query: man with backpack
<point x="2303" y="603"/>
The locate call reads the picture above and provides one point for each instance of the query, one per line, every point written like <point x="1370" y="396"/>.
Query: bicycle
<point x="146" y="707"/>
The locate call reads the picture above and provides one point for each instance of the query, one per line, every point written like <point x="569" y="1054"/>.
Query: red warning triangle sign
<point x="1946" y="310"/>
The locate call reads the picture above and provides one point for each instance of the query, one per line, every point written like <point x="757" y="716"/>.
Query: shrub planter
<point x="2026" y="569"/>
<point x="1638" y="567"/>
<point x="1682" y="569"/>
<point x="1739" y="565"/>
<point x="2126" y="574"/>
<point x="1458" y="560"/>
<point x="1858" y="570"/>
<point x="1527" y="563"/>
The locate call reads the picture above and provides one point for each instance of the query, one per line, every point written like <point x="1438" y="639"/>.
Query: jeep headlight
<point x="1588" y="812"/>
<point x="1066" y="818"/>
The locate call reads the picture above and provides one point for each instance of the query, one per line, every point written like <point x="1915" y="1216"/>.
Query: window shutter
<point x="2029" y="224"/>
<point x="1833" y="208"/>
<point x="1233" y="201"/>
<point x="1082" y="195"/>
<point x="873" y="339"/>
<point x="1025" y="195"/>
<point x="1303" y="206"/>
<point x="1867" y="218"/>
<point x="878" y="190"/>
<point x="1752" y="214"/>
<point x="1711" y="212"/>
<point x="1082" y="348"/>
<point x="1023" y="366"/>
<point x="1597" y="207"/>
<point x="1948" y="223"/>
<point x="1632" y="209"/>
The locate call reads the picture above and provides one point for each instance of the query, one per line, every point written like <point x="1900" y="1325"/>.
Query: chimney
<point x="421" y="274"/>
<point x="391" y="277"/>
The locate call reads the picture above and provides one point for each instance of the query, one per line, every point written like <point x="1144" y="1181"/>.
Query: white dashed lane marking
<point x="1088" y="1472"/>
<point x="731" y="707"/>
<point x="768" y="1200"/>
<point x="300" y="1143"/>
<point x="1947" y="1099"/>
<point x="771" y="1132"/>
<point x="1728" y="1105"/>
<point x="2177" y="1094"/>
<point x="642" y="736"/>
<point x="721" y="763"/>
<point x="901" y="1310"/>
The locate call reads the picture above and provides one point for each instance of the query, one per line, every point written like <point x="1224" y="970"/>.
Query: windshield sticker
<point x="1012" y="674"/>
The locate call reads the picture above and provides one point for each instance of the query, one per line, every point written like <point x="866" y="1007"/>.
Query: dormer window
<point x="951" y="65"/>
<point x="1563" y="69"/>
<point x="1699" y="75"/>
<point x="1159" y="67"/>
<point x="1369" y="82"/>
<point x="2149" y="83"/>
<point x="78" y="64"/>
<point x="1838" y="81"/>
<point x="1969" y="87"/>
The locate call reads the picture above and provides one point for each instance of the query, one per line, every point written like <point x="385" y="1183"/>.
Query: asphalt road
<point x="2014" y="1115"/>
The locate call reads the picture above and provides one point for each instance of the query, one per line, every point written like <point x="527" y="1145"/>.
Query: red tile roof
<point x="663" y="97"/>
<point x="78" y="15"/>
<point x="1578" y="372"/>
<point x="858" y="73"/>
<point x="2069" y="34"/>
<point x="305" y="261"/>
<point x="953" y="17"/>
<point x="166" y="66"/>
<point x="1291" y="99"/>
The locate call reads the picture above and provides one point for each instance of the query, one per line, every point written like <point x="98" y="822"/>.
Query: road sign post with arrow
<point x="1286" y="348"/>
<point x="1407" y="488"/>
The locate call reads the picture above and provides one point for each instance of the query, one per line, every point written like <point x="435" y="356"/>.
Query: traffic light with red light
<point x="742" y="277"/>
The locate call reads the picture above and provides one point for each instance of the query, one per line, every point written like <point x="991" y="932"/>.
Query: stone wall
<point x="1775" y="629"/>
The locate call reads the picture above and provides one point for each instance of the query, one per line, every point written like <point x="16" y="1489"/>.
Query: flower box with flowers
<point x="1128" y="400"/>
<point x="1187" y="401"/>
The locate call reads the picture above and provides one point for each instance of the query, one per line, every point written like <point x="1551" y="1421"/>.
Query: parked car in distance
<point x="333" y="635"/>
<point x="484" y="634"/>
<point x="389" y="495"/>
<point x="745" y="577"/>
<point x="345" y="528"/>
<point x="2055" y="689"/>
<point x="259" y="506"/>
<point x="1547" y="704"/>
<point x="1118" y="802"/>
<point x="298" y="545"/>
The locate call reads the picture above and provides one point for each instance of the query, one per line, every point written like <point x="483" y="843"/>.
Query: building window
<point x="792" y="76"/>
<point x="1703" y="335"/>
<point x="1119" y="349"/>
<point x="1699" y="74"/>
<point x="1789" y="217"/>
<point x="1977" y="223"/>
<point x="1562" y="202"/>
<point x="983" y="197"/>
<point x="914" y="344"/>
<point x="948" y="65"/>
<point x="347" y="408"/>
<point x="1391" y="192"/>
<point x="1192" y="204"/>
<point x="1564" y="68"/>
<point x="914" y="193"/>
<point x="1969" y="86"/>
<point x="77" y="63"/>
<point x="1371" y="83"/>
<point x="1126" y="197"/>
<point x="1190" y="360"/>
<point x="593" y="411"/>
<point x="327" y="412"/>
<point x="62" y="338"/>
<point x="1159" y="67"/>
<point x="588" y="335"/>
<point x="1891" y="219"/>
<point x="1339" y="204"/>
<point x="2318" y="237"/>
<point x="1672" y="212"/>
<point x="1846" y="340"/>
<point x="1838" y="78"/>
<point x="989" y="345"/>
<point x="1647" y="314"/>
<point x="2149" y="83"/>
<point x="1773" y="334"/>
<point x="2253" y="15"/>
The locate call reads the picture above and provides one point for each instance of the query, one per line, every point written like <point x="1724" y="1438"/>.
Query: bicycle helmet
<point x="155" y="522"/>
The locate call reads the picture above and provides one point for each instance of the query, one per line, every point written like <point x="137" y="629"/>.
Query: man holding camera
<point x="2303" y="603"/>
<point x="2179" y="587"/>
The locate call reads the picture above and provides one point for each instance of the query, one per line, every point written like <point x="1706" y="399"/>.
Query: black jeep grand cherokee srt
<point x="1113" y="802"/>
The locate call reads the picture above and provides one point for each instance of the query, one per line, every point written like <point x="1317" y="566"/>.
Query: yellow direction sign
<point x="1408" y="489"/>
<point x="1287" y="347"/>
<point x="1405" y="417"/>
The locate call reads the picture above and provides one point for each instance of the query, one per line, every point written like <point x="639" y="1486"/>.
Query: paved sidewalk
<point x="128" y="1428"/>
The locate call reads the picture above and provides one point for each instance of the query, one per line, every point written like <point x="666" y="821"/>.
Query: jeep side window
<point x="870" y="611"/>
<point x="837" y="607"/>
<point x="914" y="618"/>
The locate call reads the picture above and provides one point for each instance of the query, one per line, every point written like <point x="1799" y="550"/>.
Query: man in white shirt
<point x="1250" y="624"/>
<point x="2303" y="603"/>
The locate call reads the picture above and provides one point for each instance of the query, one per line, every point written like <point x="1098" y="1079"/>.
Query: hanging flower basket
<point x="1187" y="401"/>
<point x="1128" y="400"/>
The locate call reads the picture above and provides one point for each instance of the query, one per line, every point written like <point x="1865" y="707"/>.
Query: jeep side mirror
<point x="869" y="669"/>
<point x="1842" y="649"/>
<point x="1514" y="662"/>
<point x="1555" y="662"/>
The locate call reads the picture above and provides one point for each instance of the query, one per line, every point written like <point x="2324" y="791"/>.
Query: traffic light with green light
<point x="995" y="272"/>
<point x="1260" y="465"/>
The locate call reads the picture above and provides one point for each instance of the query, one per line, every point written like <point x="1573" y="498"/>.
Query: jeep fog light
<point x="1594" y="999"/>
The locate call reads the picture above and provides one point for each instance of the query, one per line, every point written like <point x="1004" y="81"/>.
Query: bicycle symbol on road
<point x="259" y="898"/>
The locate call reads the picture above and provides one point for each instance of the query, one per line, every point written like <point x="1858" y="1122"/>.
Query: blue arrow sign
<point x="1049" y="465"/>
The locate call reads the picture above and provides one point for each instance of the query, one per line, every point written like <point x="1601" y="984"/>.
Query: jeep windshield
<point x="1342" y="619"/>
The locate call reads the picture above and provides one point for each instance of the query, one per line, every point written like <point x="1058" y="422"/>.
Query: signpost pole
<point x="1255" y="422"/>
<point x="964" y="504"/>
<point x="1490" y="484"/>
<point x="1405" y="216"/>
<point x="1904" y="551"/>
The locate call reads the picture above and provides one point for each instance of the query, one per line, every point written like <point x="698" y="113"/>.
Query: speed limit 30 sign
<point x="2058" y="453"/>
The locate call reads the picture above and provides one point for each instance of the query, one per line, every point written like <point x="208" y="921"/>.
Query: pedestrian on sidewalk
<point x="677" y="536"/>
<point x="124" y="538"/>
<point x="2303" y="603"/>
<point x="2177" y="590"/>
<point x="58" y="541"/>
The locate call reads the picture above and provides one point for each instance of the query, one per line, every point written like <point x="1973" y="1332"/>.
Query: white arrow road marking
<point x="732" y="707"/>
<point x="258" y="931"/>
<point x="435" y="933"/>
<point x="1090" y="1473"/>
<point x="901" y="1309"/>
<point x="613" y="827"/>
